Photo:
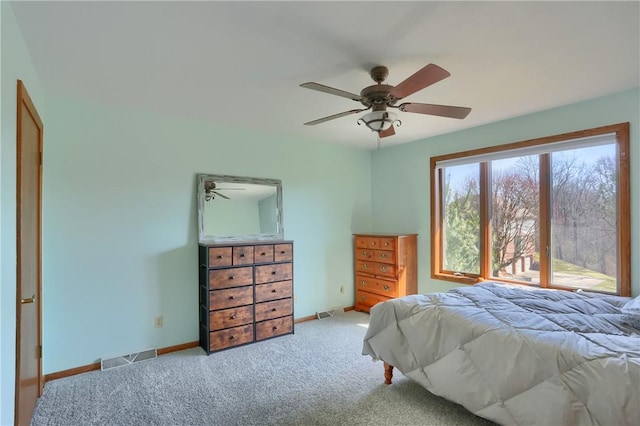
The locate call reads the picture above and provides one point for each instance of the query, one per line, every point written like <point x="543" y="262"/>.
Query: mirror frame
<point x="205" y="238"/>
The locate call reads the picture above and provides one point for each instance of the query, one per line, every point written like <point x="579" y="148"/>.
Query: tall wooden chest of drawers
<point x="246" y="293"/>
<point x="386" y="267"/>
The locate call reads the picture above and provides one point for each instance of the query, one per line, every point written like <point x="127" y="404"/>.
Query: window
<point x="551" y="212"/>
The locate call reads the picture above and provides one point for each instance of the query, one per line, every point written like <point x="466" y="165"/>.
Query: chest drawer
<point x="273" y="291"/>
<point x="367" y="242"/>
<point x="364" y="254"/>
<point x="233" y="317"/>
<point x="243" y="255"/>
<point x="231" y="297"/>
<point x="365" y="300"/>
<point x="283" y="252"/>
<point x="275" y="309"/>
<point x="263" y="254"/>
<point x="382" y="287"/>
<point x="274" y="272"/>
<point x="384" y="256"/>
<point x="375" y="268"/>
<point x="220" y="256"/>
<point x="232" y="277"/>
<point x="230" y="337"/>
<point x="274" y="327"/>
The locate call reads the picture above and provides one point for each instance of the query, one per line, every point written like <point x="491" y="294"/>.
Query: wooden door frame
<point x="23" y="99"/>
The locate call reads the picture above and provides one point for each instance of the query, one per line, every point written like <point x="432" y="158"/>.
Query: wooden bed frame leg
<point x="388" y="373"/>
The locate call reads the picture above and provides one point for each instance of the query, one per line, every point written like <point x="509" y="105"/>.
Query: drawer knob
<point x="273" y="310"/>
<point x="365" y="266"/>
<point x="386" y="287"/>
<point x="274" y="291"/>
<point x="383" y="268"/>
<point x="241" y="254"/>
<point x="232" y="297"/>
<point x="231" y="277"/>
<point x="233" y="317"/>
<point x="263" y="254"/>
<point x="273" y="272"/>
<point x="220" y="256"/>
<point x="232" y="337"/>
<point x="363" y="282"/>
<point x="364" y="253"/>
<point x="383" y="256"/>
<point x="363" y="297"/>
<point x="282" y="252"/>
<point x="275" y="328"/>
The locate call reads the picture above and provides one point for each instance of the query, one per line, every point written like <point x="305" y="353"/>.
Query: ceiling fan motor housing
<point x="378" y="94"/>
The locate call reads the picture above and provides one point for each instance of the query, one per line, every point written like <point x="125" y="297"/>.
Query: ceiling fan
<point x="379" y="97"/>
<point x="211" y="190"/>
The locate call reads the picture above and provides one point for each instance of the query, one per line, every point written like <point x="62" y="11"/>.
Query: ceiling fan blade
<point x="334" y="116"/>
<point x="223" y="196"/>
<point x="427" y="76"/>
<point x="432" y="109"/>
<point x="389" y="132"/>
<point x="331" y="91"/>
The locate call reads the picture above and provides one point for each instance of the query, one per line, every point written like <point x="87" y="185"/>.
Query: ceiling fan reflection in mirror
<point x="379" y="97"/>
<point x="211" y="190"/>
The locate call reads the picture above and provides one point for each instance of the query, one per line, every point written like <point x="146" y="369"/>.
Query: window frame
<point x="623" y="204"/>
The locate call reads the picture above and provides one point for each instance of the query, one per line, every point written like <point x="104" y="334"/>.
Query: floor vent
<point x="328" y="313"/>
<point x="122" y="360"/>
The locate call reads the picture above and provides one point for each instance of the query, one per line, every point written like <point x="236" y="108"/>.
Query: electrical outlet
<point x="295" y="297"/>
<point x="157" y="321"/>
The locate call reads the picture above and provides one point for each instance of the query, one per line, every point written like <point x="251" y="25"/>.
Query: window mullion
<point x="485" y="220"/>
<point x="544" y="220"/>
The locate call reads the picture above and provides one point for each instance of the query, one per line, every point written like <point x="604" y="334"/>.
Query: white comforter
<point x="516" y="356"/>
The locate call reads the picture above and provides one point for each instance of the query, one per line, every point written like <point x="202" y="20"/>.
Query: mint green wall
<point x="120" y="223"/>
<point x="15" y="64"/>
<point x="401" y="174"/>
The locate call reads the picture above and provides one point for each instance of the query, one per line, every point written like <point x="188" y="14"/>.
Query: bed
<point x="516" y="355"/>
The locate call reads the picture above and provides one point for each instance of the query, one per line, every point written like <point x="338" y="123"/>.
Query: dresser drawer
<point x="375" y="268"/>
<point x="263" y="253"/>
<point x="384" y="256"/>
<point x="275" y="309"/>
<point x="283" y="252"/>
<point x="275" y="272"/>
<point x="386" y="243"/>
<point x="274" y="327"/>
<point x="382" y="287"/>
<point x="229" y="298"/>
<point x="273" y="291"/>
<point x="365" y="300"/>
<point x="220" y="256"/>
<point x="233" y="317"/>
<point x="364" y="254"/>
<point x="243" y="255"/>
<point x="230" y="337"/>
<point x="367" y="242"/>
<point x="232" y="277"/>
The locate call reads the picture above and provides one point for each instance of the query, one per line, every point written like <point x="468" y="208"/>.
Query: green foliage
<point x="462" y="228"/>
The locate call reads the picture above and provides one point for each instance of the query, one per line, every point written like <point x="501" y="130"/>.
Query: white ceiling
<point x="241" y="63"/>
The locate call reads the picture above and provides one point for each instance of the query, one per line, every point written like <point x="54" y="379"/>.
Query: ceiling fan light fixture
<point x="378" y="121"/>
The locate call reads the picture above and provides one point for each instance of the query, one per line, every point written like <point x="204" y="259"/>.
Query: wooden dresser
<point x="246" y="293"/>
<point x="386" y="267"/>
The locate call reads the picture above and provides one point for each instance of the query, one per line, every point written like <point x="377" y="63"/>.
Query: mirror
<point x="235" y="208"/>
